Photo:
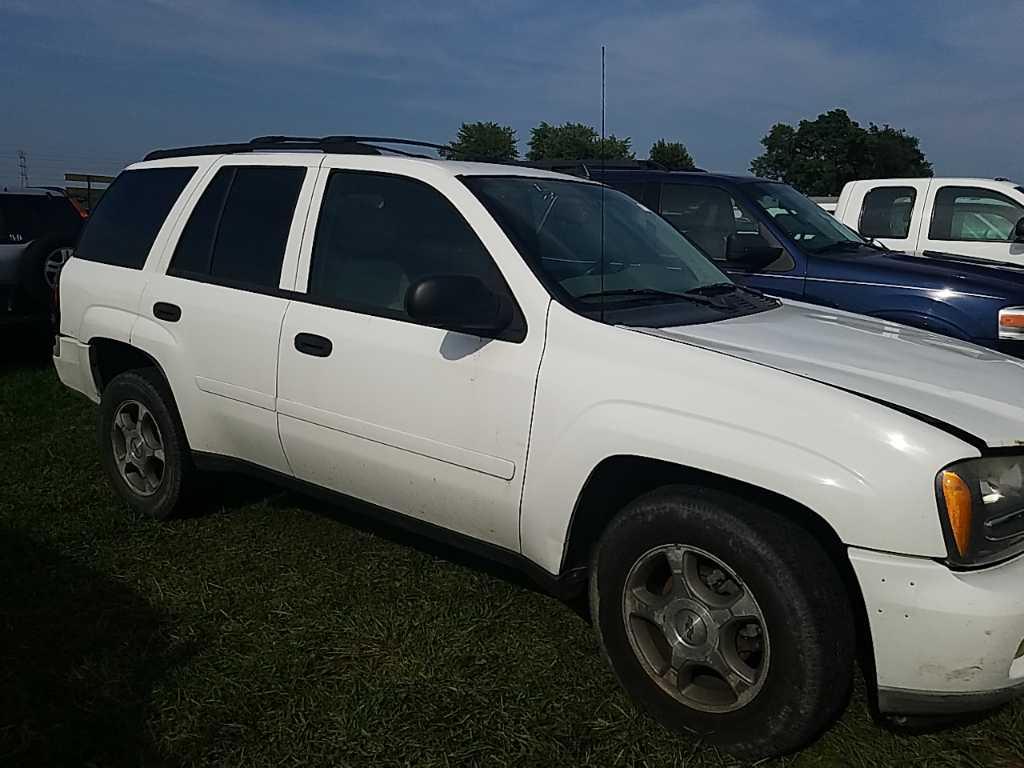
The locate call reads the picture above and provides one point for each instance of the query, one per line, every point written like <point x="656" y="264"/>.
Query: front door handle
<point x="311" y="344"/>
<point x="165" y="311"/>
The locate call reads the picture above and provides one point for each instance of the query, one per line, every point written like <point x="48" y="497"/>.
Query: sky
<point x="91" y="85"/>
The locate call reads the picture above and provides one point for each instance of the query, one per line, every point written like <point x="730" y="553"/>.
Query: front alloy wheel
<point x="696" y="628"/>
<point x="724" y="618"/>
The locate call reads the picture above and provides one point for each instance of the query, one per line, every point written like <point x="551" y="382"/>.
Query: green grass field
<point x="269" y="630"/>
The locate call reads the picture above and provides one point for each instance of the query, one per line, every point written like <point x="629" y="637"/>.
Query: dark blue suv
<point x="768" y="236"/>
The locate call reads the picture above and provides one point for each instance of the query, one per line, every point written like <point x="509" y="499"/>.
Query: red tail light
<point x="81" y="211"/>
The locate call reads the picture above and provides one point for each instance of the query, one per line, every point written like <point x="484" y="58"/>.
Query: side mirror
<point x="1018" y="232"/>
<point x="460" y="303"/>
<point x="750" y="251"/>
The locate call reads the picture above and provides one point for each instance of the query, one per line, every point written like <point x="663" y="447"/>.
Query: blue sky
<point x="92" y="85"/>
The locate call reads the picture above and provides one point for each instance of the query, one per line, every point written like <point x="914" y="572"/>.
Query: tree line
<point x="816" y="156"/>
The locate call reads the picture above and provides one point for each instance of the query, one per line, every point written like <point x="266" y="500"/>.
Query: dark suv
<point x="768" y="236"/>
<point x="38" y="232"/>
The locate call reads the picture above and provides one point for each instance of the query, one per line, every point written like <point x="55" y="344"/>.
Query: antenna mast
<point x="604" y="150"/>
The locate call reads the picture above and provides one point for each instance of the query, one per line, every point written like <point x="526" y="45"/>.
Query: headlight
<point x="1011" y="323"/>
<point x="982" y="503"/>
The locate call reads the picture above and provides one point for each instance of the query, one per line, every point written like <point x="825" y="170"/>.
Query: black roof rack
<point x="583" y="167"/>
<point x="349" y="145"/>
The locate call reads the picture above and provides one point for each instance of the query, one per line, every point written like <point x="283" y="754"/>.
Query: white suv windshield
<point x="558" y="226"/>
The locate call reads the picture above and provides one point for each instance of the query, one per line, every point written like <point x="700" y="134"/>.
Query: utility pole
<point x="23" y="167"/>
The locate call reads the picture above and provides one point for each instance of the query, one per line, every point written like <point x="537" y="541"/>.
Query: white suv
<point x="539" y="367"/>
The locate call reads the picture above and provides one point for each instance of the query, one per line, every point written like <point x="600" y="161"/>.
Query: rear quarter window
<point x="122" y="229"/>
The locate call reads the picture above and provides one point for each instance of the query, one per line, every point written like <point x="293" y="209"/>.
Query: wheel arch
<point x="110" y="357"/>
<point x="618" y="480"/>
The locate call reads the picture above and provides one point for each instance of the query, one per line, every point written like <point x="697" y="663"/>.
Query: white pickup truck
<point x="979" y="218"/>
<point x="543" y="370"/>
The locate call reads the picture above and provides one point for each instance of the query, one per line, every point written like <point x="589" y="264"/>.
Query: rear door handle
<point x="169" y="312"/>
<point x="311" y="344"/>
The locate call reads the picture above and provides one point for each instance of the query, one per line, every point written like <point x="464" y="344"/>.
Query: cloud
<point x="714" y="73"/>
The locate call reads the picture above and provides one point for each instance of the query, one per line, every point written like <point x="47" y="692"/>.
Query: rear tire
<point x="724" y="620"/>
<point x="142" y="444"/>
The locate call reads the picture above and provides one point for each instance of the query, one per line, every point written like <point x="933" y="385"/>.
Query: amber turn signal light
<point x="958" y="508"/>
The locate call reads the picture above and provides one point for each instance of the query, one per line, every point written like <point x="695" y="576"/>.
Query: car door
<point x="426" y="422"/>
<point x="972" y="221"/>
<point x="708" y="214"/>
<point x="891" y="212"/>
<point x="213" y="316"/>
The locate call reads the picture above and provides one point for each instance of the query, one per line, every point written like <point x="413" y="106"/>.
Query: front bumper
<point x="944" y="641"/>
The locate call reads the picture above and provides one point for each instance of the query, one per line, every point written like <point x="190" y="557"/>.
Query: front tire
<point x="142" y="444"/>
<point x="724" y="620"/>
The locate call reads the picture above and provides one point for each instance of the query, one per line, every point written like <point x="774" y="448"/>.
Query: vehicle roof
<point x="33" y="192"/>
<point x="953" y="180"/>
<point x="390" y="162"/>
<point x="641" y="174"/>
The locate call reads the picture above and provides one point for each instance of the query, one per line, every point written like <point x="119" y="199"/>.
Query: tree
<point x="671" y="154"/>
<point x="819" y="156"/>
<point x="575" y="141"/>
<point x="895" y="153"/>
<point x="488" y="142"/>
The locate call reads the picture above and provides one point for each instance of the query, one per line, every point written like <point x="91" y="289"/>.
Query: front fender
<point x="866" y="469"/>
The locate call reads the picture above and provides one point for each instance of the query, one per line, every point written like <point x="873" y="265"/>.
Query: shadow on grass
<point x="25" y="344"/>
<point x="79" y="656"/>
<point x="361" y="519"/>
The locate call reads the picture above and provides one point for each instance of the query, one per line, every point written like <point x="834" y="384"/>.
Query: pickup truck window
<point x="629" y="257"/>
<point x="810" y="227"/>
<point x="378" y="233"/>
<point x="974" y="214"/>
<point x="886" y="212"/>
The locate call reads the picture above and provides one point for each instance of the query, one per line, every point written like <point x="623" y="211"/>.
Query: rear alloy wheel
<point x="143" y="445"/>
<point x="138" y="447"/>
<point x="724" y="619"/>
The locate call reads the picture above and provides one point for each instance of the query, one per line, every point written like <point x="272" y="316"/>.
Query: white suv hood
<point x="974" y="389"/>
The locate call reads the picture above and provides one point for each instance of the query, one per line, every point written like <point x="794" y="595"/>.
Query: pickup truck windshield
<point x="812" y="228"/>
<point x="633" y="258"/>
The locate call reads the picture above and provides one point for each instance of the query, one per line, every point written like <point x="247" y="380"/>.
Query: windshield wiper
<point x="642" y="292"/>
<point x="719" y="289"/>
<point x="841" y="245"/>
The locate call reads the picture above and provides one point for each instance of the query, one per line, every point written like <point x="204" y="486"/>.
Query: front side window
<point x="238" y="231"/>
<point x="886" y="212"/>
<point x="709" y="216"/>
<point x="379" y="233"/>
<point x="974" y="214"/>
<point x="812" y="228"/>
<point x="601" y="253"/>
<point x="130" y="214"/>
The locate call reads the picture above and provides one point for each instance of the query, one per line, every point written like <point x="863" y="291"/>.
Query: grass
<point x="267" y="630"/>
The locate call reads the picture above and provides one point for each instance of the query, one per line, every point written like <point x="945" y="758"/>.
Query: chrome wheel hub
<point x="696" y="628"/>
<point x="138" y="448"/>
<point x="54" y="263"/>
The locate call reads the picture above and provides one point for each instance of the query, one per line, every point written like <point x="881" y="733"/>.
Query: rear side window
<point x="886" y="212"/>
<point x="126" y="222"/>
<point x="974" y="214"/>
<point x="238" y="231"/>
